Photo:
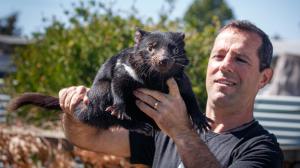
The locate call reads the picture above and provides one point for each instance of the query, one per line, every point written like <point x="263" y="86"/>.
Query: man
<point x="239" y="65"/>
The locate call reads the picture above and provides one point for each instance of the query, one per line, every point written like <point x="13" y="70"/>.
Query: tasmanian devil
<point x="155" y="57"/>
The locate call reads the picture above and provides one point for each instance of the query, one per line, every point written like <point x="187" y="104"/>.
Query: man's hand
<point x="87" y="137"/>
<point x="170" y="114"/>
<point x="70" y="97"/>
<point x="167" y="110"/>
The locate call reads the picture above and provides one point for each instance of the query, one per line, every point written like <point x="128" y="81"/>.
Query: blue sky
<point x="280" y="17"/>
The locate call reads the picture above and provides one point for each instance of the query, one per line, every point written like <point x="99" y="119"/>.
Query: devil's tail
<point x="37" y="99"/>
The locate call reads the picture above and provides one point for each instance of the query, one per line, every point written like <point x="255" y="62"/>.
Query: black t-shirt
<point x="249" y="146"/>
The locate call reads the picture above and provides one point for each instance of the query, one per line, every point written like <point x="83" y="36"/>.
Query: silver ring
<point x="155" y="105"/>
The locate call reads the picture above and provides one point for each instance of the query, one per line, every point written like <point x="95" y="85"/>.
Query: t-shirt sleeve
<point x="141" y="148"/>
<point x="261" y="154"/>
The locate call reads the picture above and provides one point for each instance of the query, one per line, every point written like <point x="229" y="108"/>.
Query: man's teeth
<point x="226" y="83"/>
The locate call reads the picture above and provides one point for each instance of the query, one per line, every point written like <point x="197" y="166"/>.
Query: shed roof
<point x="13" y="40"/>
<point x="283" y="46"/>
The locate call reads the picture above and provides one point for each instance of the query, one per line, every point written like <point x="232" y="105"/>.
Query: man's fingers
<point x="173" y="91"/>
<point x="145" y="98"/>
<point x="146" y="109"/>
<point x="68" y="99"/>
<point x="85" y="98"/>
<point x="76" y="97"/>
<point x="62" y="95"/>
<point x="81" y="89"/>
<point x="155" y="94"/>
<point x="173" y="88"/>
<point x="75" y="100"/>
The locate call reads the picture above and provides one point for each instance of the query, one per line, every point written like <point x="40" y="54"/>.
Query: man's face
<point x="233" y="76"/>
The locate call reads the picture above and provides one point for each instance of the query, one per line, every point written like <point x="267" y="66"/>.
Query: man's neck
<point x="224" y="120"/>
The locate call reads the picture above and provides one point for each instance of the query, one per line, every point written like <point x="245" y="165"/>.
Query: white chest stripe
<point x="181" y="165"/>
<point x="132" y="73"/>
<point x="118" y="63"/>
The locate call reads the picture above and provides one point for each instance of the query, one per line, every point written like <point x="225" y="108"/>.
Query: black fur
<point x="156" y="57"/>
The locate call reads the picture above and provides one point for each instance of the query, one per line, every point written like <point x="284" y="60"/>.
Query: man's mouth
<point x="225" y="82"/>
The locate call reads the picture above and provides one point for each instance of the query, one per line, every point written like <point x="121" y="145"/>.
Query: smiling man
<point x="237" y="69"/>
<point x="239" y="65"/>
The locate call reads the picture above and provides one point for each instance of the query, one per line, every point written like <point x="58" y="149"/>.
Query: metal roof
<point x="3" y="102"/>
<point x="283" y="46"/>
<point x="13" y="40"/>
<point x="280" y="115"/>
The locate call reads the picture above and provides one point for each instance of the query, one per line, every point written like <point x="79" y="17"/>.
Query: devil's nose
<point x="164" y="61"/>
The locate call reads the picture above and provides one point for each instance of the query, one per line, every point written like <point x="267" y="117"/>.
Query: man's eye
<point x="241" y="60"/>
<point x="218" y="57"/>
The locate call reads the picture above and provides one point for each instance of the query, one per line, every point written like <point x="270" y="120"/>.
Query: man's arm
<point x="171" y="116"/>
<point x="193" y="151"/>
<point x="112" y="141"/>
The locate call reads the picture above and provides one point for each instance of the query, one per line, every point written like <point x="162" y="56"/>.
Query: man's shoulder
<point x="255" y="134"/>
<point x="257" y="143"/>
<point x="257" y="131"/>
<point x="256" y="137"/>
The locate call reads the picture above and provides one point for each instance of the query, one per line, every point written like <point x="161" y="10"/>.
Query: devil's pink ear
<point x="139" y="35"/>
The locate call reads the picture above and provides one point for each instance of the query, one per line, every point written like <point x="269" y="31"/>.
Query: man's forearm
<point x="78" y="133"/>
<point x="194" y="152"/>
<point x="109" y="141"/>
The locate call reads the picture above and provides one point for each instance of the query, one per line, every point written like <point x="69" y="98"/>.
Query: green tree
<point x="8" y="25"/>
<point x="204" y="12"/>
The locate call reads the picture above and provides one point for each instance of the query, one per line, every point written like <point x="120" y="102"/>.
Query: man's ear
<point x="139" y="35"/>
<point x="266" y="76"/>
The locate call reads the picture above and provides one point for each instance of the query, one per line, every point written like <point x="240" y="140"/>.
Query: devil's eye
<point x="175" y="50"/>
<point x="150" y="48"/>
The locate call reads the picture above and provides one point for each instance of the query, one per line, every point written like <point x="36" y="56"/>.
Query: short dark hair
<point x="265" y="51"/>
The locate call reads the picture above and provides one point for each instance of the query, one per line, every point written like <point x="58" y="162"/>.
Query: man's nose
<point x="227" y="64"/>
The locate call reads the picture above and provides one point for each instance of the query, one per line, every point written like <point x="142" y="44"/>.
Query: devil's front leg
<point x="198" y="118"/>
<point x="120" y="90"/>
<point x="100" y="97"/>
<point x="94" y="113"/>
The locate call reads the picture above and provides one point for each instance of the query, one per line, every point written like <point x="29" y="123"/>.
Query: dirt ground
<point x="30" y="147"/>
